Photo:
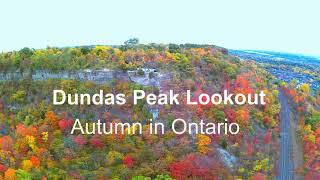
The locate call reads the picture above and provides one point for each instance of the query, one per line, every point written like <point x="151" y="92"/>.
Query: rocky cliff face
<point x="143" y="76"/>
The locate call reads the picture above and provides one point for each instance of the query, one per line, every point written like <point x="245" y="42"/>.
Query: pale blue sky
<point x="281" y="25"/>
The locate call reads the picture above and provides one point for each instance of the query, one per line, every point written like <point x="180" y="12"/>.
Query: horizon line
<point x="204" y="44"/>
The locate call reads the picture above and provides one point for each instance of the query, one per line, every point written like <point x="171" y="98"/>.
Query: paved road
<point x="285" y="165"/>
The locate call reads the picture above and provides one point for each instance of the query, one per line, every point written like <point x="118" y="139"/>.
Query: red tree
<point x="267" y="137"/>
<point x="96" y="142"/>
<point x="128" y="161"/>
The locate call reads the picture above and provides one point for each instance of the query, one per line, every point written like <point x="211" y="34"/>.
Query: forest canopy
<point x="35" y="139"/>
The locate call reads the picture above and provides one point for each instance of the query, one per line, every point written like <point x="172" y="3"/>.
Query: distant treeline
<point x="131" y="55"/>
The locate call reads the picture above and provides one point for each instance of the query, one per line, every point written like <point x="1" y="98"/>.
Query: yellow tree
<point x="203" y="142"/>
<point x="26" y="165"/>
<point x="305" y="88"/>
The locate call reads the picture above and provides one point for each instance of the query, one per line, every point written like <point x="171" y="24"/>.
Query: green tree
<point x="130" y="43"/>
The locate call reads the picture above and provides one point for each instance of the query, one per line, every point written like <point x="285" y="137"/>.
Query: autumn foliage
<point x="35" y="138"/>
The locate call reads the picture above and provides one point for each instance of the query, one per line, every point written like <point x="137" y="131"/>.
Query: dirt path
<point x="291" y="157"/>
